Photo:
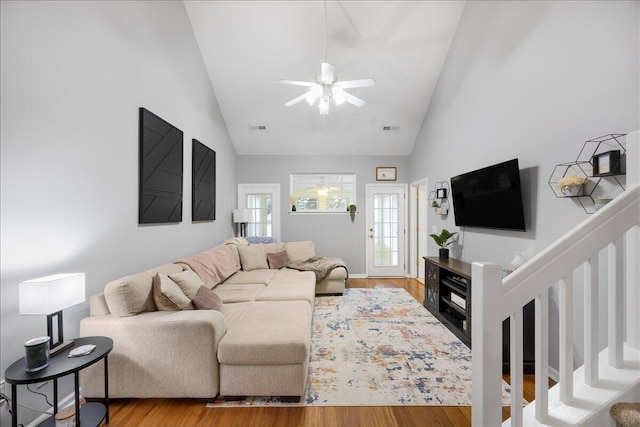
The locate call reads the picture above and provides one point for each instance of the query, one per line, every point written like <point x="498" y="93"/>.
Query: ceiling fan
<point x="327" y="87"/>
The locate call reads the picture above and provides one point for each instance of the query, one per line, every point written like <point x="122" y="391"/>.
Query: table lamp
<point x="242" y="217"/>
<point x="50" y="295"/>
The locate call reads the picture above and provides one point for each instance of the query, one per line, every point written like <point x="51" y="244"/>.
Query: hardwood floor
<point x="187" y="412"/>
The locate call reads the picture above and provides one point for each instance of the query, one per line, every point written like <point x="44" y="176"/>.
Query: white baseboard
<point x="357" y="276"/>
<point x="554" y="374"/>
<point x="49" y="413"/>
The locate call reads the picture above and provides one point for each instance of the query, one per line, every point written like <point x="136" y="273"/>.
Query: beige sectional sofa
<point x="256" y="345"/>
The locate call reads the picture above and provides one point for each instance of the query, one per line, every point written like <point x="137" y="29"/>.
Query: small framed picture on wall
<point x="386" y="173"/>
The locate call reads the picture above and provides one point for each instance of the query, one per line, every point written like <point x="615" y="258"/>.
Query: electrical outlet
<point x="434" y="229"/>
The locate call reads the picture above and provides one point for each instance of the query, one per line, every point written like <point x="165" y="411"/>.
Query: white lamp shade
<point x="50" y="294"/>
<point x="241" y="215"/>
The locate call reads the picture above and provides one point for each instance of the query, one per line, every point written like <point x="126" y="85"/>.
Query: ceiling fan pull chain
<point x="325" y="32"/>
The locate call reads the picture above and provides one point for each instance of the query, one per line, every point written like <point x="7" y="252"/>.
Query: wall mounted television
<point x="489" y="197"/>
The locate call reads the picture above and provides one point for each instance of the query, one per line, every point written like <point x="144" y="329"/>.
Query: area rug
<point x="380" y="347"/>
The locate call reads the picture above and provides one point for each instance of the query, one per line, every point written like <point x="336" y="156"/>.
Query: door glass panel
<point x="386" y="228"/>
<point x="259" y="206"/>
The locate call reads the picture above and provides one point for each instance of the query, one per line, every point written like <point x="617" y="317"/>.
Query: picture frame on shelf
<point x="386" y="173"/>
<point x="441" y="193"/>
<point x="607" y="163"/>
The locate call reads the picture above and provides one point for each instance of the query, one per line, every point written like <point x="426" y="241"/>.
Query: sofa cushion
<point x="266" y="333"/>
<point x="133" y="294"/>
<point x="252" y="257"/>
<point x="206" y="299"/>
<point x="188" y="281"/>
<point x="271" y="248"/>
<point x="263" y="276"/>
<point x="300" y="251"/>
<point x="238" y="293"/>
<point x="168" y="296"/>
<point x="290" y="285"/>
<point x="278" y="260"/>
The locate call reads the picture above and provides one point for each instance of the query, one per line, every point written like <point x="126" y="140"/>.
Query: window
<point x="322" y="193"/>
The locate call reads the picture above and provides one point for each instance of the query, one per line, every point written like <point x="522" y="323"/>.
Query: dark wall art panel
<point x="160" y="189"/>
<point x="203" y="189"/>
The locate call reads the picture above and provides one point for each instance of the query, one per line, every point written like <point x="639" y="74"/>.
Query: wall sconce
<point x="50" y="295"/>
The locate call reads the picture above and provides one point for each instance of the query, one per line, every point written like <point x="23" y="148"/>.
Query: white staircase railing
<point x="606" y="375"/>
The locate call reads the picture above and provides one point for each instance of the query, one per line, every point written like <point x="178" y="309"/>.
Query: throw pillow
<point x="206" y="299"/>
<point x="188" y="281"/>
<point x="300" y="251"/>
<point x="278" y="260"/>
<point x="168" y="296"/>
<point x="253" y="257"/>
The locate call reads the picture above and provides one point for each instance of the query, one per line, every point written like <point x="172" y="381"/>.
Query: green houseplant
<point x="443" y="240"/>
<point x="352" y="212"/>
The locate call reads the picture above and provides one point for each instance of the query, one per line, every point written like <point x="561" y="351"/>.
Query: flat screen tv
<point x="489" y="197"/>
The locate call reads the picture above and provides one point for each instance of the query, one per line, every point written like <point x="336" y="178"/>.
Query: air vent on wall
<point x="390" y="127"/>
<point x="257" y="127"/>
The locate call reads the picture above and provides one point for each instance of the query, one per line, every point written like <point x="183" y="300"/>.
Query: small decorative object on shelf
<point x="601" y="164"/>
<point x="438" y="197"/>
<point x="442" y="240"/>
<point x="572" y="185"/>
<point x="518" y="260"/>
<point x="605" y="164"/>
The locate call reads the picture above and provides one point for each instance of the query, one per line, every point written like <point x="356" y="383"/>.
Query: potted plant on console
<point x="443" y="240"/>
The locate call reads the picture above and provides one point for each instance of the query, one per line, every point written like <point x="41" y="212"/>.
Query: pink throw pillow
<point x="206" y="299"/>
<point x="278" y="260"/>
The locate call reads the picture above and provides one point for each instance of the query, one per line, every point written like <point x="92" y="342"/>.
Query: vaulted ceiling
<point x="247" y="46"/>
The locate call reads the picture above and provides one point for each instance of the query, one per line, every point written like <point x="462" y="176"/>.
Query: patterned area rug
<point x="380" y="347"/>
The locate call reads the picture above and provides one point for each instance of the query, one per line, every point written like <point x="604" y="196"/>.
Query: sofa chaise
<point x="254" y="342"/>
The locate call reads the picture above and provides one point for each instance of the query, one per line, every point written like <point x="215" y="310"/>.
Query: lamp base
<point x="60" y="347"/>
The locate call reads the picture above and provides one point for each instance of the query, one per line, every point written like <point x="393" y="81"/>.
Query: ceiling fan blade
<point x="297" y="83"/>
<point x="328" y="73"/>
<point x="353" y="99"/>
<point x="355" y="83"/>
<point x="296" y="100"/>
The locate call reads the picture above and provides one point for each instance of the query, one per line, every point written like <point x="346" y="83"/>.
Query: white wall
<point x="531" y="80"/>
<point x="73" y="76"/>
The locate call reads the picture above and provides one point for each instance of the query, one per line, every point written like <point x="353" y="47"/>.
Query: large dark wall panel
<point x="160" y="190"/>
<point x="203" y="189"/>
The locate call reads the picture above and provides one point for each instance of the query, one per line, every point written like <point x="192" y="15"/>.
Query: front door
<point x="386" y="231"/>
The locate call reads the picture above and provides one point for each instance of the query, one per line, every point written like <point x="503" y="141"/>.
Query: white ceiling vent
<point x="260" y="128"/>
<point x="390" y="127"/>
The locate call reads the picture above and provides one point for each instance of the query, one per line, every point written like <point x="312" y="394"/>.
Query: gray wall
<point x="73" y="76"/>
<point x="531" y="80"/>
<point x="333" y="235"/>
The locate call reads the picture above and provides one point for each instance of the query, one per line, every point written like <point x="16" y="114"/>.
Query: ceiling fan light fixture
<point x="338" y="95"/>
<point x="324" y="106"/>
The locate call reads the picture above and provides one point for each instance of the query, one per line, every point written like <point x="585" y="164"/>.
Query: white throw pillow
<point x="188" y="281"/>
<point x="168" y="296"/>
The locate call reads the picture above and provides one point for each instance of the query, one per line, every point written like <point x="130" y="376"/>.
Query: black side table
<point x="91" y="413"/>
